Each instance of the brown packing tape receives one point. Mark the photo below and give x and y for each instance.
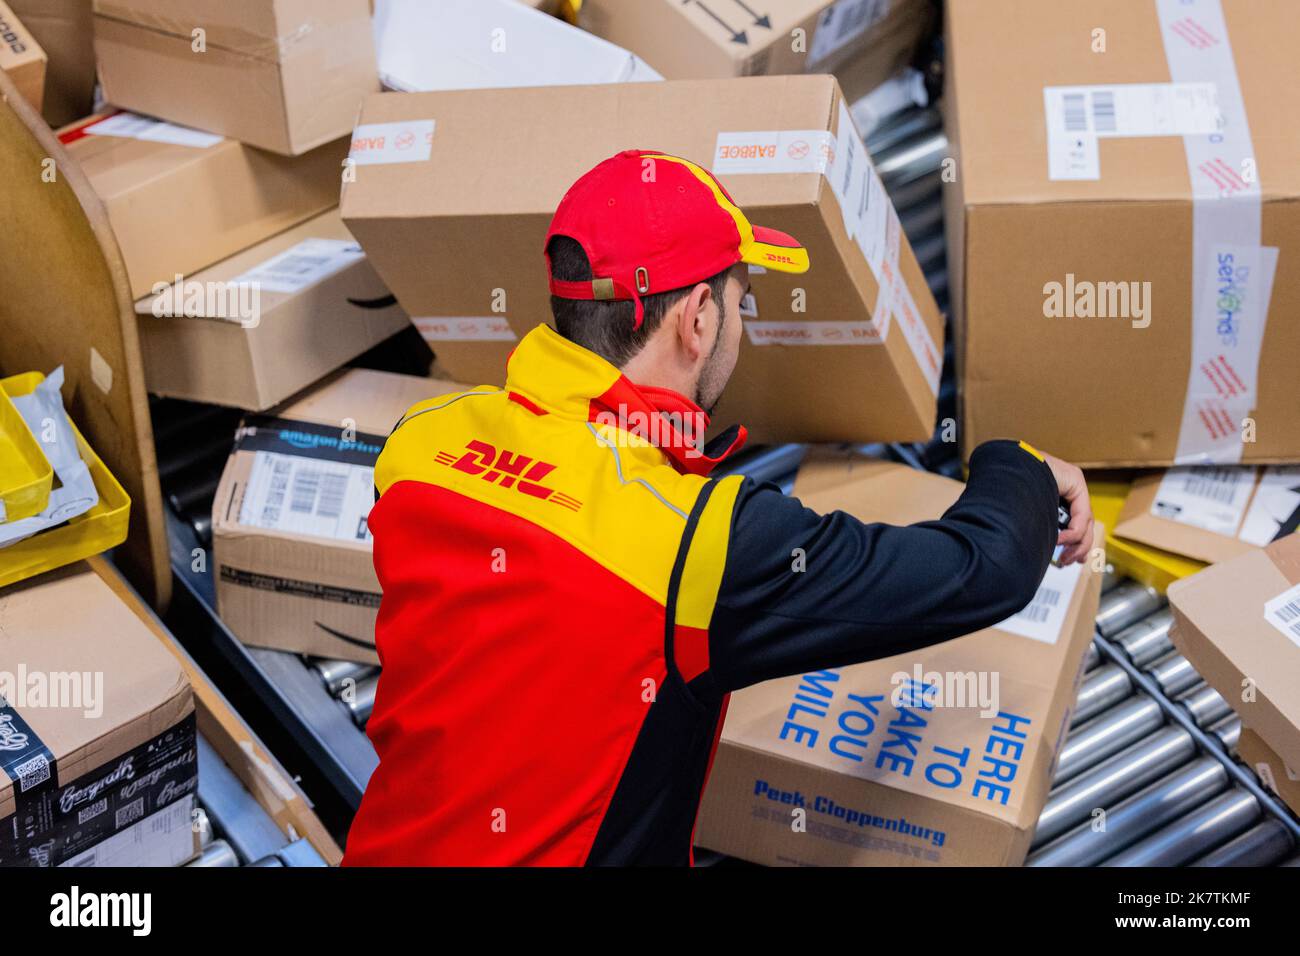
(268, 47)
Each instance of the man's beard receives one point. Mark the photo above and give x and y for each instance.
(709, 389)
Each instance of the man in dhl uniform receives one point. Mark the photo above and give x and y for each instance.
(569, 598)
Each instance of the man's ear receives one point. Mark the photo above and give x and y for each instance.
(693, 328)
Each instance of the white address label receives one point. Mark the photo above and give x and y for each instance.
(135, 126)
(303, 265)
(1044, 618)
(309, 496)
(1210, 498)
(1283, 612)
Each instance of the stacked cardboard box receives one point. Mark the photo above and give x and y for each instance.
(863, 42)
(455, 225)
(943, 756)
(265, 324)
(1122, 201)
(1238, 622)
(21, 57)
(1271, 769)
(63, 29)
(291, 545)
(284, 75)
(180, 200)
(97, 728)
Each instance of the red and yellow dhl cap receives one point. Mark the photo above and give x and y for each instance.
(651, 223)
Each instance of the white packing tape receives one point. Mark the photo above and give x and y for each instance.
(1232, 274)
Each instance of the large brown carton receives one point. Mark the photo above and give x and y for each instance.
(63, 29)
(21, 57)
(943, 756)
(291, 546)
(861, 41)
(455, 224)
(180, 200)
(285, 75)
(1238, 622)
(1212, 514)
(265, 324)
(1126, 199)
(96, 731)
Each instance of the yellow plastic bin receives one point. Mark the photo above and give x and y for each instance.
(102, 527)
(25, 474)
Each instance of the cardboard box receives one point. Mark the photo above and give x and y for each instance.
(1270, 768)
(285, 75)
(291, 548)
(63, 29)
(265, 324)
(1238, 622)
(1080, 232)
(885, 772)
(479, 44)
(21, 57)
(1153, 567)
(180, 200)
(456, 226)
(1212, 514)
(862, 42)
(98, 728)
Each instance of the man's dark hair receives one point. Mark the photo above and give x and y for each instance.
(605, 327)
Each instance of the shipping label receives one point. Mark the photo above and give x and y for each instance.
(303, 265)
(1214, 499)
(1283, 612)
(1044, 618)
(308, 496)
(134, 126)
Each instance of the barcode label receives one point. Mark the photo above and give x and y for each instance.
(308, 497)
(842, 23)
(1213, 499)
(1076, 113)
(1044, 617)
(129, 814)
(1283, 612)
(1103, 111)
(303, 265)
(1274, 508)
(1078, 117)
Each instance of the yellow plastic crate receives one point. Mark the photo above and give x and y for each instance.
(1151, 566)
(102, 527)
(25, 474)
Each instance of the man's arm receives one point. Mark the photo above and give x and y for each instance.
(872, 590)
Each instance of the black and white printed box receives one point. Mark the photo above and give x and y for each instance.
(263, 325)
(291, 546)
(98, 764)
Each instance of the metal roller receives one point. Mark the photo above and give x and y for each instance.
(268, 861)
(363, 700)
(911, 159)
(218, 854)
(1205, 705)
(1125, 604)
(922, 219)
(903, 126)
(1106, 734)
(1175, 674)
(1103, 688)
(1191, 836)
(336, 674)
(1228, 730)
(202, 824)
(1148, 639)
(1114, 779)
(1111, 579)
(926, 189)
(1091, 658)
(1137, 816)
(1266, 844)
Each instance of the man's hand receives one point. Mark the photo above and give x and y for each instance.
(1077, 538)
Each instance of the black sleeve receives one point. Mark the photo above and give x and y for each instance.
(869, 591)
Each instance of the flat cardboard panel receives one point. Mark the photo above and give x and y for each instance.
(66, 302)
(21, 56)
